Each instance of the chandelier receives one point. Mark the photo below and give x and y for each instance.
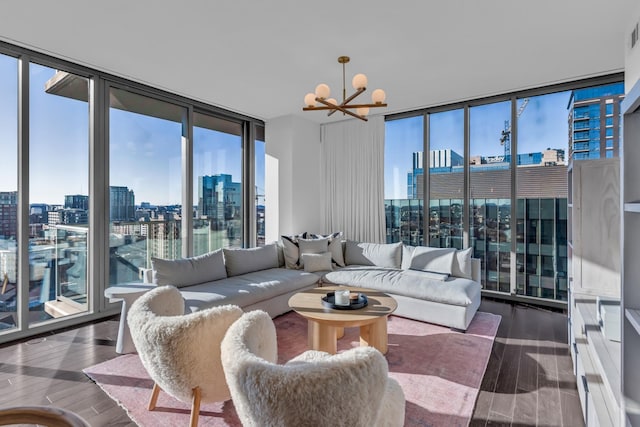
(320, 99)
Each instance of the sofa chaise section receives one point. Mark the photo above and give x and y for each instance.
(431, 297)
(249, 278)
(267, 290)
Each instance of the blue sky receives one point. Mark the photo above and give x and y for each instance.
(145, 152)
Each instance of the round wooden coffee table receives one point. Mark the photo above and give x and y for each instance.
(325, 325)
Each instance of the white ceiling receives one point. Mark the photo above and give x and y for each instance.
(261, 57)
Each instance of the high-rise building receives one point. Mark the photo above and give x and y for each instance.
(76, 201)
(38, 213)
(122, 204)
(219, 199)
(594, 122)
(8, 214)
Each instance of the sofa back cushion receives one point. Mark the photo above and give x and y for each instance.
(246, 260)
(434, 260)
(189, 271)
(462, 266)
(387, 255)
(407, 254)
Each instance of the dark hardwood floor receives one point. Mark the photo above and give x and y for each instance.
(529, 380)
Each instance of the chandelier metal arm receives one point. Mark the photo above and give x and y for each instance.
(341, 108)
(346, 101)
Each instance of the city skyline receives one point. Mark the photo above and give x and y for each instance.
(542, 124)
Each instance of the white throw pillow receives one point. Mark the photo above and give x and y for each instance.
(317, 262)
(462, 263)
(312, 246)
(189, 271)
(436, 260)
(335, 246)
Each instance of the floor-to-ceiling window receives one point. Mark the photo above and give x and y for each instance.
(8, 191)
(541, 212)
(497, 176)
(260, 176)
(217, 183)
(58, 195)
(446, 179)
(403, 180)
(98, 177)
(145, 183)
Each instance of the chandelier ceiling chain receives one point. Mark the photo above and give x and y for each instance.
(320, 99)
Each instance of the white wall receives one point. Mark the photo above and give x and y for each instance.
(293, 183)
(632, 56)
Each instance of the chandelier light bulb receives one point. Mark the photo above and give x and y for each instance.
(363, 111)
(332, 101)
(310, 99)
(359, 81)
(378, 96)
(322, 91)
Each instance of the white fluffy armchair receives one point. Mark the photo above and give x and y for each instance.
(314, 389)
(181, 352)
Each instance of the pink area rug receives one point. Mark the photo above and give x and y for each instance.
(440, 371)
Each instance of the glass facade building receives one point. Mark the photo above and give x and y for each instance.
(594, 122)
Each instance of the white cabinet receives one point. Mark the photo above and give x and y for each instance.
(630, 172)
(595, 217)
(595, 269)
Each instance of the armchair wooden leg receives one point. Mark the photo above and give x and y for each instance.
(195, 408)
(154, 396)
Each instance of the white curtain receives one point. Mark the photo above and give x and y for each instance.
(353, 171)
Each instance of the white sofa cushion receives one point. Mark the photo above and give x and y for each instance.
(387, 255)
(246, 260)
(247, 289)
(435, 260)
(409, 283)
(407, 253)
(189, 271)
(461, 266)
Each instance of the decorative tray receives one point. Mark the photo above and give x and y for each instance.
(329, 301)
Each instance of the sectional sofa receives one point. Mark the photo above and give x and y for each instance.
(440, 286)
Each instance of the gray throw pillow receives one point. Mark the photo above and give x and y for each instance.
(387, 255)
(189, 271)
(317, 262)
(291, 251)
(247, 260)
(313, 246)
(436, 260)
